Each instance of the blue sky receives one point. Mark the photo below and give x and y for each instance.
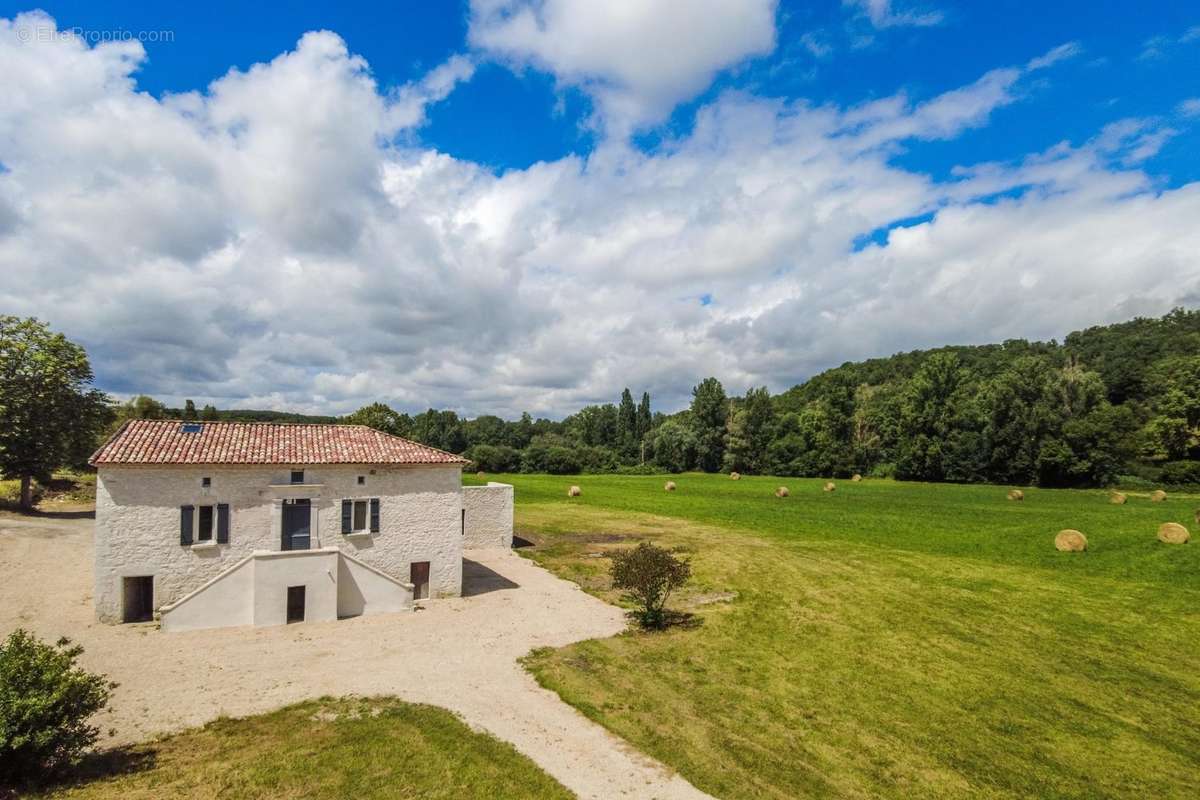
(508, 120)
(775, 187)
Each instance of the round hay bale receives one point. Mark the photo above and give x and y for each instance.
(1070, 541)
(1173, 533)
(1016, 494)
(479, 474)
(856, 477)
(1197, 515)
(1117, 499)
(782, 491)
(735, 476)
(670, 487)
(574, 491)
(828, 487)
(1157, 496)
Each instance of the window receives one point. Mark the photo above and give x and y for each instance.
(204, 525)
(138, 605)
(362, 480)
(191, 427)
(206, 482)
(360, 516)
(297, 476)
(198, 528)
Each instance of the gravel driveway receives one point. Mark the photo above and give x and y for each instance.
(458, 653)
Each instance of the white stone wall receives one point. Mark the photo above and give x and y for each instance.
(315, 570)
(137, 522)
(488, 515)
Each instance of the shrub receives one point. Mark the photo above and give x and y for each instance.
(552, 459)
(45, 702)
(595, 458)
(1180, 473)
(649, 574)
(640, 469)
(495, 458)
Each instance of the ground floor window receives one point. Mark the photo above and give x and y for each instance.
(138, 599)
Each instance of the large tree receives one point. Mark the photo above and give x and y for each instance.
(749, 434)
(709, 413)
(627, 439)
(50, 413)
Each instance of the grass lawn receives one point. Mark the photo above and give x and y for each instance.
(345, 748)
(889, 639)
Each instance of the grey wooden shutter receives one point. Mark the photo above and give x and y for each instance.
(347, 514)
(375, 515)
(185, 524)
(222, 523)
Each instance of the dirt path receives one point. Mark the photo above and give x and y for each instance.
(459, 654)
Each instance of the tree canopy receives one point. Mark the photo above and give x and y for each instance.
(51, 413)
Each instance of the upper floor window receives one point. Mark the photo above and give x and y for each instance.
(362, 480)
(206, 482)
(297, 476)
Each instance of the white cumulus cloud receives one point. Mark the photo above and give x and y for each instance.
(637, 59)
(281, 239)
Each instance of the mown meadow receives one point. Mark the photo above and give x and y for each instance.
(327, 748)
(888, 639)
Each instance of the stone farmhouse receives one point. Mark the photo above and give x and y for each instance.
(212, 524)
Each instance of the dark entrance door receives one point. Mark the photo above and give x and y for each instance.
(418, 574)
(138, 603)
(295, 608)
(296, 524)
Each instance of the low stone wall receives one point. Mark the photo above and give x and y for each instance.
(488, 515)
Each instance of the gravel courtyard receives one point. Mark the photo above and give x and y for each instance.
(458, 653)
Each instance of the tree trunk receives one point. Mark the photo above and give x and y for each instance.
(26, 493)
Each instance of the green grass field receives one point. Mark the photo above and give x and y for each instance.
(346, 748)
(889, 639)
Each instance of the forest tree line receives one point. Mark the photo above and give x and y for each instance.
(1110, 401)
(1117, 401)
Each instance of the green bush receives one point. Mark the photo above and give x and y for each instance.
(640, 469)
(495, 458)
(649, 573)
(45, 703)
(1180, 473)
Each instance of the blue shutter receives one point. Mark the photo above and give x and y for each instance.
(185, 525)
(375, 515)
(222, 523)
(347, 514)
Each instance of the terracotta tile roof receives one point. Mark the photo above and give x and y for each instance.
(156, 441)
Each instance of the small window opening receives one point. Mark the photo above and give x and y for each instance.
(138, 600)
(191, 427)
(362, 480)
(204, 527)
(297, 476)
(295, 604)
(206, 482)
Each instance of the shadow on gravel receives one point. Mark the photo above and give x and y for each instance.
(478, 579)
